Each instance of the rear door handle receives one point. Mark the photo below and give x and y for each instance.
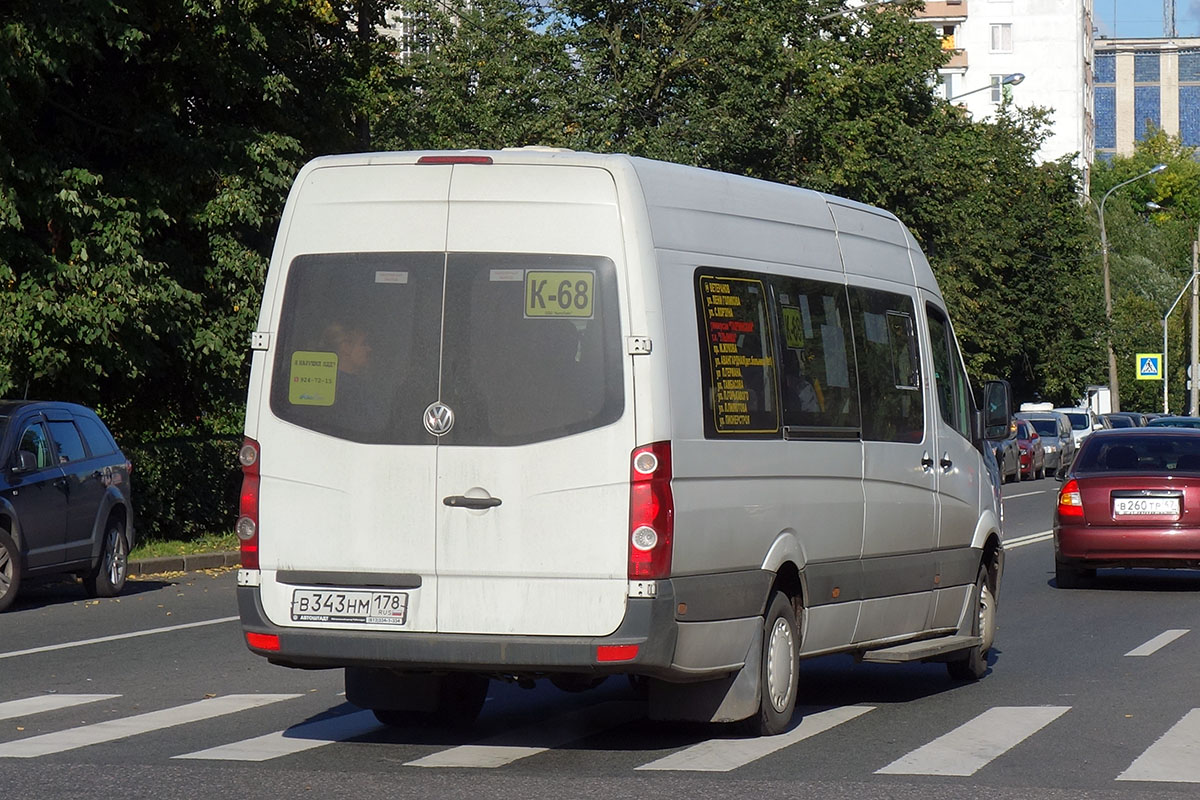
(946, 462)
(462, 501)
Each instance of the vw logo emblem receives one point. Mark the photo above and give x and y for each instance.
(439, 419)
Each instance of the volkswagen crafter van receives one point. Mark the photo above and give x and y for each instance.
(543, 414)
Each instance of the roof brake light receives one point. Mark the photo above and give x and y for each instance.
(454, 159)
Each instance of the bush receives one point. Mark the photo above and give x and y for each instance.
(185, 487)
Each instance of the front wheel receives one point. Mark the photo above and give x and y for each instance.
(107, 578)
(780, 675)
(973, 663)
(10, 570)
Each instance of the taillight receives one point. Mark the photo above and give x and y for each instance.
(247, 523)
(263, 641)
(1070, 504)
(651, 512)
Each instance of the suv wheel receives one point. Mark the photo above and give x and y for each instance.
(10, 570)
(107, 578)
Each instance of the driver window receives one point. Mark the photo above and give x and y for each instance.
(34, 440)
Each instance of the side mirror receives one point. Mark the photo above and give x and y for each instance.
(997, 410)
(24, 462)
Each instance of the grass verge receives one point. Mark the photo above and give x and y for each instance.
(208, 543)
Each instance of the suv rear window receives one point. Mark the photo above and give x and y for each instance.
(521, 347)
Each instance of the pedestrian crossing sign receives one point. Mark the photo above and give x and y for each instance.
(1149, 366)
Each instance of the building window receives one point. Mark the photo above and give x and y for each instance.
(1106, 68)
(1189, 67)
(1002, 38)
(1105, 105)
(947, 36)
(1189, 115)
(1146, 110)
(997, 88)
(1145, 67)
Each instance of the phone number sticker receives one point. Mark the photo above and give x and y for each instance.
(559, 294)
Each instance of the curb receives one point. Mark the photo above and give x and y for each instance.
(188, 563)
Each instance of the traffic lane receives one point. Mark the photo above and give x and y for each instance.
(53, 613)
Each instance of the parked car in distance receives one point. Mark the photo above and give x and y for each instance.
(64, 498)
(1008, 456)
(1124, 419)
(1032, 451)
(1083, 422)
(1131, 499)
(1054, 429)
(1174, 422)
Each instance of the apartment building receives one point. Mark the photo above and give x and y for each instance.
(1048, 41)
(1141, 81)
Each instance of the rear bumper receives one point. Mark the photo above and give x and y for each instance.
(1101, 546)
(649, 623)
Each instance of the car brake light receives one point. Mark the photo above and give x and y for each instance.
(247, 522)
(1070, 503)
(651, 512)
(454, 159)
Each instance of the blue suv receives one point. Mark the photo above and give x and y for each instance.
(64, 498)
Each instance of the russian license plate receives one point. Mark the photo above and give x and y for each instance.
(353, 607)
(1147, 506)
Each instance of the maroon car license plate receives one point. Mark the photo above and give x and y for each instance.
(1145, 506)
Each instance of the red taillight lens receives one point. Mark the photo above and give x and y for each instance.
(247, 523)
(263, 641)
(1070, 502)
(454, 159)
(651, 512)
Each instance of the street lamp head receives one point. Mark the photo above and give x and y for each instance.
(1157, 168)
(1013, 79)
(1153, 206)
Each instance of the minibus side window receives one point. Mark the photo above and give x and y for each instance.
(950, 380)
(817, 372)
(889, 365)
(737, 355)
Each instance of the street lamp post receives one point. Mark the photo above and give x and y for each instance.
(1007, 80)
(1112, 355)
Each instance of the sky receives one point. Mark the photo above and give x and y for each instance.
(1144, 18)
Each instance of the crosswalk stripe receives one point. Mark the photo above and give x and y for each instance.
(723, 755)
(1174, 758)
(539, 737)
(1158, 642)
(968, 748)
(111, 730)
(295, 739)
(49, 702)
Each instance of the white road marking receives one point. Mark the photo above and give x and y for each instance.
(1158, 642)
(1174, 758)
(114, 638)
(115, 729)
(723, 755)
(970, 747)
(48, 702)
(539, 737)
(1025, 494)
(296, 739)
(1033, 538)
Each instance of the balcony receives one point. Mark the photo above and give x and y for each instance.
(958, 60)
(943, 9)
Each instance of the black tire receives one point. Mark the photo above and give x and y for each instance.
(1068, 577)
(10, 570)
(780, 669)
(107, 577)
(974, 662)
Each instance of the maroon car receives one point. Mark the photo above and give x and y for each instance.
(1131, 499)
(1032, 451)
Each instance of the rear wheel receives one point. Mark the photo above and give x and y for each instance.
(460, 699)
(972, 665)
(780, 676)
(107, 578)
(10, 570)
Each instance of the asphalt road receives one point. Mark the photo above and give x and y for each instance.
(1091, 693)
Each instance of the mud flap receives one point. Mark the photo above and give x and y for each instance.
(727, 699)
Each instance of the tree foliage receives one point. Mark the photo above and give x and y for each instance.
(146, 148)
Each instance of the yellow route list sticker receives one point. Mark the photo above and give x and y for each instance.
(313, 378)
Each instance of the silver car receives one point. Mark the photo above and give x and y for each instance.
(1055, 429)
